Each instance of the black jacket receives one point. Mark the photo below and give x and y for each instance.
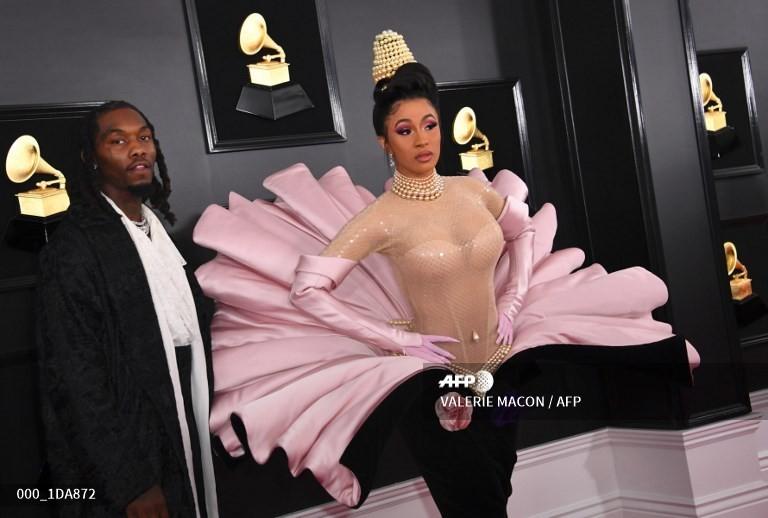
(107, 400)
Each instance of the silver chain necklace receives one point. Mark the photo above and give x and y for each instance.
(143, 225)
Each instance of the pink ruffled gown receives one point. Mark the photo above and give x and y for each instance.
(307, 387)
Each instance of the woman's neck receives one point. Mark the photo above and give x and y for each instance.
(419, 177)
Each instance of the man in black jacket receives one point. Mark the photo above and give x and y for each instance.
(124, 365)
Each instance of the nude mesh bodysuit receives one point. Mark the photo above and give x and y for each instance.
(444, 253)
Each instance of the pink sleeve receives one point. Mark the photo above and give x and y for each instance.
(316, 277)
(518, 231)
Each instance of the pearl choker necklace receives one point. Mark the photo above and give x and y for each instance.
(424, 189)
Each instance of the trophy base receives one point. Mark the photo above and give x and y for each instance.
(749, 309)
(714, 120)
(741, 288)
(478, 158)
(271, 73)
(273, 102)
(722, 141)
(30, 233)
(43, 202)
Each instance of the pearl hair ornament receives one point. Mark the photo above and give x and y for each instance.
(390, 52)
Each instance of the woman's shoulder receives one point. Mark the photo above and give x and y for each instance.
(368, 231)
(376, 214)
(468, 183)
(476, 188)
(377, 207)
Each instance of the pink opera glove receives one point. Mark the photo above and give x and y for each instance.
(431, 352)
(452, 415)
(518, 231)
(505, 331)
(316, 276)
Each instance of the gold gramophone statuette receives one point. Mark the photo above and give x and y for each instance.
(714, 116)
(741, 285)
(270, 94)
(464, 130)
(24, 160)
(254, 37)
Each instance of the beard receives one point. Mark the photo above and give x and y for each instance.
(144, 190)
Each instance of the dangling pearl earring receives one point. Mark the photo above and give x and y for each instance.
(391, 162)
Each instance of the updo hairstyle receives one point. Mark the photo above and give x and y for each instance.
(411, 81)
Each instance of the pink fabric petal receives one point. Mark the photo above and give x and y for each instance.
(365, 194)
(506, 183)
(338, 184)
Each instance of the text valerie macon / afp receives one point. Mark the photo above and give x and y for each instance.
(454, 400)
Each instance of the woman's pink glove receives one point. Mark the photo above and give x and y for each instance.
(518, 231)
(505, 331)
(429, 351)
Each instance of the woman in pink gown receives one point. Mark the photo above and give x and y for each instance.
(329, 299)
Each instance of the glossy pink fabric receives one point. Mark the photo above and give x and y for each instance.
(305, 388)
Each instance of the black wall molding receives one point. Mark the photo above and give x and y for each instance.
(569, 122)
(640, 144)
(708, 179)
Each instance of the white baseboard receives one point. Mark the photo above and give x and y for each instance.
(759, 400)
(715, 471)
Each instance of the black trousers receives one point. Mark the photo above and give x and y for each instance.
(468, 471)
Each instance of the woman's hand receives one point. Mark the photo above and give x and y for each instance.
(151, 504)
(452, 415)
(430, 352)
(505, 330)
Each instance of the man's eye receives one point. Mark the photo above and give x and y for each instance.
(145, 138)
(118, 141)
